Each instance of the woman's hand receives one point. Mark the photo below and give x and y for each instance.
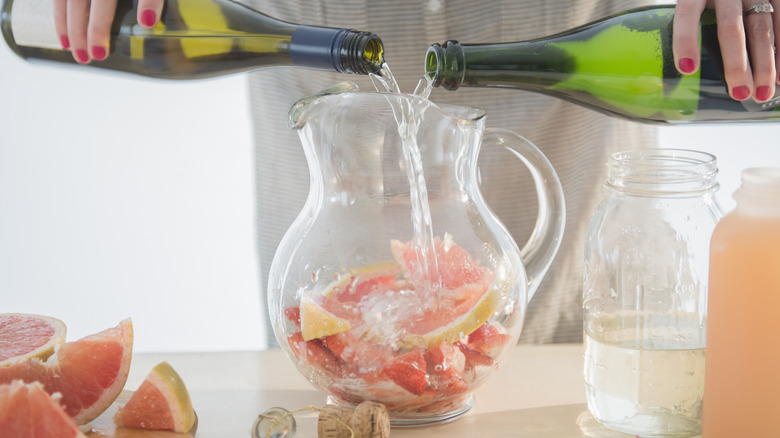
(84, 26)
(747, 34)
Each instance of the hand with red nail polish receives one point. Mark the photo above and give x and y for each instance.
(747, 41)
(84, 27)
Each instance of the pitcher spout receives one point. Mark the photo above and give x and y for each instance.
(297, 115)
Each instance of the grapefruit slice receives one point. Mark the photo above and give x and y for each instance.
(89, 373)
(317, 323)
(463, 303)
(28, 411)
(162, 402)
(24, 336)
(360, 282)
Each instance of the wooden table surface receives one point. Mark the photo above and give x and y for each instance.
(538, 392)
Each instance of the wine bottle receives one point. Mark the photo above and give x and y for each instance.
(621, 65)
(197, 39)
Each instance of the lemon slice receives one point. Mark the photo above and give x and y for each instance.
(317, 322)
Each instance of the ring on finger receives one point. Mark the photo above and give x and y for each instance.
(759, 8)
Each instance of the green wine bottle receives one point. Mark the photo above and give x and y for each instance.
(197, 39)
(621, 65)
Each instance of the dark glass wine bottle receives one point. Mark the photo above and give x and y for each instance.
(621, 65)
(197, 39)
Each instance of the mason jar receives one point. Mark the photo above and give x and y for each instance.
(645, 291)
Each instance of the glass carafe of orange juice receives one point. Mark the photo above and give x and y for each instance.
(742, 383)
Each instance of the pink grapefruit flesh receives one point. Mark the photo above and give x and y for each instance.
(88, 373)
(162, 402)
(28, 411)
(24, 336)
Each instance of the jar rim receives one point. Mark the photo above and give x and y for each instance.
(663, 171)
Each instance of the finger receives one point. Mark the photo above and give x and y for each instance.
(61, 22)
(685, 35)
(733, 48)
(78, 20)
(149, 12)
(776, 20)
(760, 36)
(101, 16)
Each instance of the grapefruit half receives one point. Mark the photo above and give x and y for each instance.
(28, 411)
(24, 336)
(89, 373)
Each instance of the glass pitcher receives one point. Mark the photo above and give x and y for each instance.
(396, 283)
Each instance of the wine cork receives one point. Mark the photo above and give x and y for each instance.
(371, 420)
(334, 422)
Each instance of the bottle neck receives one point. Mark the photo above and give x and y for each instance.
(531, 65)
(759, 194)
(663, 172)
(340, 50)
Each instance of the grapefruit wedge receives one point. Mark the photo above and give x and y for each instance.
(463, 302)
(88, 373)
(162, 402)
(28, 411)
(24, 337)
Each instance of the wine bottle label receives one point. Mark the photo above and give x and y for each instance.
(32, 24)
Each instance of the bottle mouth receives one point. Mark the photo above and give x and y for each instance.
(445, 64)
(434, 64)
(361, 53)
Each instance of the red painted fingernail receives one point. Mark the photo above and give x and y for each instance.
(687, 65)
(65, 42)
(81, 56)
(148, 17)
(762, 93)
(741, 93)
(98, 53)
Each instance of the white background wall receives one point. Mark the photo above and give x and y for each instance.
(122, 196)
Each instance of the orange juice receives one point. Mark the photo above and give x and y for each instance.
(742, 371)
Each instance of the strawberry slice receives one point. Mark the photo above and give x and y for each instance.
(488, 340)
(446, 364)
(408, 371)
(473, 357)
(294, 315)
(318, 355)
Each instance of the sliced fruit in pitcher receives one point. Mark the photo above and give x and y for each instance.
(317, 323)
(464, 301)
(381, 332)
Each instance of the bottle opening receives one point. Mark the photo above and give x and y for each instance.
(361, 53)
(445, 64)
(432, 60)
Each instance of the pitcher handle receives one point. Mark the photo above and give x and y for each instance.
(540, 249)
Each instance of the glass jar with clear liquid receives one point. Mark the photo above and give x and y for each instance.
(645, 292)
